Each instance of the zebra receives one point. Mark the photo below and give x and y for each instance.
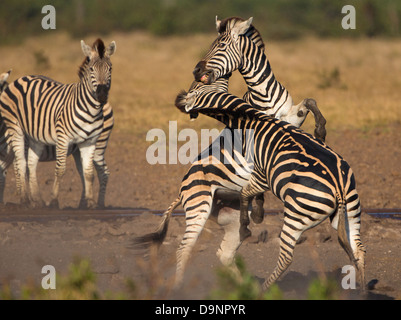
(209, 189)
(313, 181)
(205, 188)
(5, 158)
(67, 118)
(49, 153)
(239, 46)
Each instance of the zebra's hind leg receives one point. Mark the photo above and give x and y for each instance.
(247, 193)
(7, 159)
(34, 151)
(258, 213)
(352, 221)
(195, 220)
(17, 142)
(290, 233)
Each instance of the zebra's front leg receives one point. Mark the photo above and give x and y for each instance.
(103, 174)
(228, 218)
(61, 159)
(78, 164)
(87, 151)
(34, 151)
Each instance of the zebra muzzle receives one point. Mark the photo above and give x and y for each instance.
(102, 93)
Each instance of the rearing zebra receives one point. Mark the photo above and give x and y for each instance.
(240, 46)
(49, 113)
(312, 181)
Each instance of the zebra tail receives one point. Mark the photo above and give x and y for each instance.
(159, 235)
(342, 228)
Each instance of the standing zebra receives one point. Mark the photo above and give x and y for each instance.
(45, 113)
(310, 179)
(5, 157)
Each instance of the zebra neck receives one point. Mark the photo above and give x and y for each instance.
(264, 91)
(86, 99)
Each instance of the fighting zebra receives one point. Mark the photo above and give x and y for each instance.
(209, 179)
(73, 118)
(209, 189)
(312, 180)
(239, 46)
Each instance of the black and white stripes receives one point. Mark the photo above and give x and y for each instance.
(49, 113)
(311, 180)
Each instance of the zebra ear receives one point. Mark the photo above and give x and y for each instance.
(218, 22)
(241, 27)
(111, 48)
(4, 76)
(87, 50)
(190, 101)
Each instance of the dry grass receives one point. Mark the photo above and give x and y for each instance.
(356, 82)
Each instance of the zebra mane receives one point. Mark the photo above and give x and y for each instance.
(99, 47)
(222, 106)
(252, 33)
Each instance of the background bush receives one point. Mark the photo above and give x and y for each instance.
(276, 19)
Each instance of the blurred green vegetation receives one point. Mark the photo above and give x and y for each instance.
(275, 19)
(80, 283)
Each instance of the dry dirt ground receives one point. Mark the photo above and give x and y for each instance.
(31, 239)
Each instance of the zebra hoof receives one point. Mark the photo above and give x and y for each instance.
(37, 204)
(244, 233)
(257, 214)
(87, 204)
(54, 204)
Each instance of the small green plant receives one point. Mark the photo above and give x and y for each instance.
(323, 289)
(242, 286)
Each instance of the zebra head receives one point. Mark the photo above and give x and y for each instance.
(224, 55)
(96, 69)
(3, 80)
(186, 101)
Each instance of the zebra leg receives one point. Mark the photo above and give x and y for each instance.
(7, 159)
(34, 151)
(61, 160)
(195, 220)
(87, 151)
(78, 164)
(353, 226)
(103, 174)
(17, 142)
(228, 218)
(290, 233)
(258, 213)
(247, 193)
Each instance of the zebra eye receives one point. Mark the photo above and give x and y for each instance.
(222, 45)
